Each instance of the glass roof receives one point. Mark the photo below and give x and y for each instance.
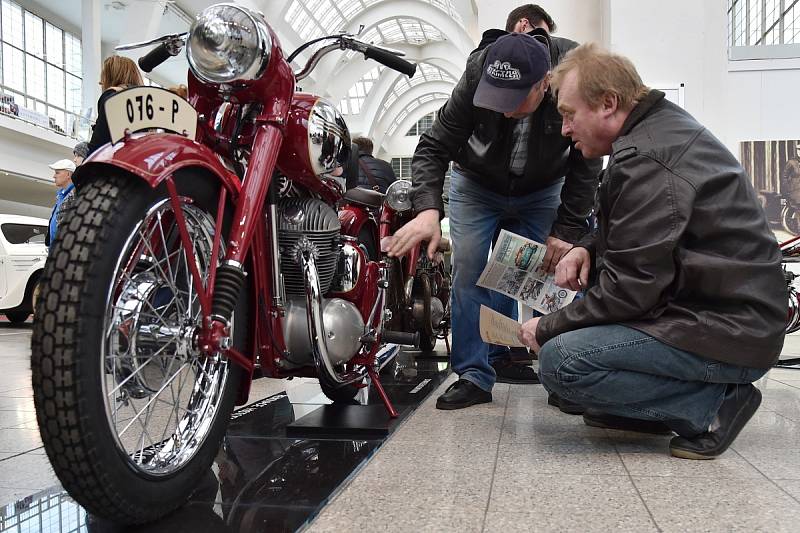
(425, 73)
(315, 18)
(352, 103)
(411, 106)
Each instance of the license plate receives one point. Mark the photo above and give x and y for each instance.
(144, 108)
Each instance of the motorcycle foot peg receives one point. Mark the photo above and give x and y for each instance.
(401, 337)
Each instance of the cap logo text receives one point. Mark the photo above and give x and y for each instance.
(503, 71)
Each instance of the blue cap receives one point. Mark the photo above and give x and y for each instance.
(514, 64)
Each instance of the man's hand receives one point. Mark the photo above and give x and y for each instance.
(424, 227)
(556, 248)
(572, 272)
(527, 334)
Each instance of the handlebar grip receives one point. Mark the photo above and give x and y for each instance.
(154, 57)
(391, 60)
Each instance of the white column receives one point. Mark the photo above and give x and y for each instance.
(91, 54)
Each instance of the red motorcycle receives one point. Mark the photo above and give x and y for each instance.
(192, 258)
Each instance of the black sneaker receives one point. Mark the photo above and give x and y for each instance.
(598, 419)
(522, 355)
(462, 394)
(512, 372)
(739, 405)
(565, 406)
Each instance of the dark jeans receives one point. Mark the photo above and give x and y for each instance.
(475, 213)
(622, 371)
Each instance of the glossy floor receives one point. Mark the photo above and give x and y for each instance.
(513, 465)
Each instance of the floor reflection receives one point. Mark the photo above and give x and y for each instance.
(260, 480)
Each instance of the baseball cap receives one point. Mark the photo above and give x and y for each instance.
(63, 164)
(514, 64)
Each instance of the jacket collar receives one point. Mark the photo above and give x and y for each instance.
(62, 193)
(641, 110)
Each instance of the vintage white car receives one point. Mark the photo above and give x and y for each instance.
(22, 257)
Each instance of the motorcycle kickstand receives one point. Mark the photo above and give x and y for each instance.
(376, 380)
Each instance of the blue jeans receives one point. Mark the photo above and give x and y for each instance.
(622, 371)
(475, 213)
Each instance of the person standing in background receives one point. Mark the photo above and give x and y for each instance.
(373, 173)
(118, 73)
(79, 153)
(65, 195)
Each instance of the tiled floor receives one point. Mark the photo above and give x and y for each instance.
(518, 464)
(513, 465)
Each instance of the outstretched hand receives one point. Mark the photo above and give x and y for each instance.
(423, 227)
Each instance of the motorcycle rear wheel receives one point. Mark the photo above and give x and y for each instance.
(130, 413)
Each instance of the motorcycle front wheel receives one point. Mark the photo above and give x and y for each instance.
(130, 412)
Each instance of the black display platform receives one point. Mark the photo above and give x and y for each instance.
(352, 421)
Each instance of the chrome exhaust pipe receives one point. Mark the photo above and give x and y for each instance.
(305, 255)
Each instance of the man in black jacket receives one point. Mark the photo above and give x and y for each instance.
(373, 173)
(688, 302)
(512, 166)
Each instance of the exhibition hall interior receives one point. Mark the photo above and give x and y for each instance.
(279, 265)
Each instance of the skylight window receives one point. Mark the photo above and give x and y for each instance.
(425, 73)
(354, 101)
(413, 105)
(315, 18)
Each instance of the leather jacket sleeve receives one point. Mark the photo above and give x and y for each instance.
(647, 208)
(577, 196)
(452, 129)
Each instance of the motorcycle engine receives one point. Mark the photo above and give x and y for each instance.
(316, 220)
(344, 326)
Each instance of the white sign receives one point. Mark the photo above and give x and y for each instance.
(144, 108)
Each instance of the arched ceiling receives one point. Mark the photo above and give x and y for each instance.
(377, 101)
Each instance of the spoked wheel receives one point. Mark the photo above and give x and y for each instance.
(130, 411)
(790, 219)
(427, 333)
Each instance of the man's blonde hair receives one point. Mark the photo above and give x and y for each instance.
(601, 73)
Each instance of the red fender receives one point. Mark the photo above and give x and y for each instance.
(353, 218)
(155, 156)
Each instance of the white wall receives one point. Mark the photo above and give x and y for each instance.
(687, 42)
(579, 20)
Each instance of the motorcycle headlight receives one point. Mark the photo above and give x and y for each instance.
(398, 195)
(228, 43)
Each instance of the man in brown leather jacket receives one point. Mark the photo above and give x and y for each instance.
(688, 303)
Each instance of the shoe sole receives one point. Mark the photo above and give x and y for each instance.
(454, 406)
(518, 381)
(597, 424)
(688, 454)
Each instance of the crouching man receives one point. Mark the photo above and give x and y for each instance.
(687, 305)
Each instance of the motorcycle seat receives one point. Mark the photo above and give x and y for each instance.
(362, 196)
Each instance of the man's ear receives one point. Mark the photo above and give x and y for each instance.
(610, 104)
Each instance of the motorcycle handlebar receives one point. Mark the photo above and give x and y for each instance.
(390, 60)
(154, 57)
